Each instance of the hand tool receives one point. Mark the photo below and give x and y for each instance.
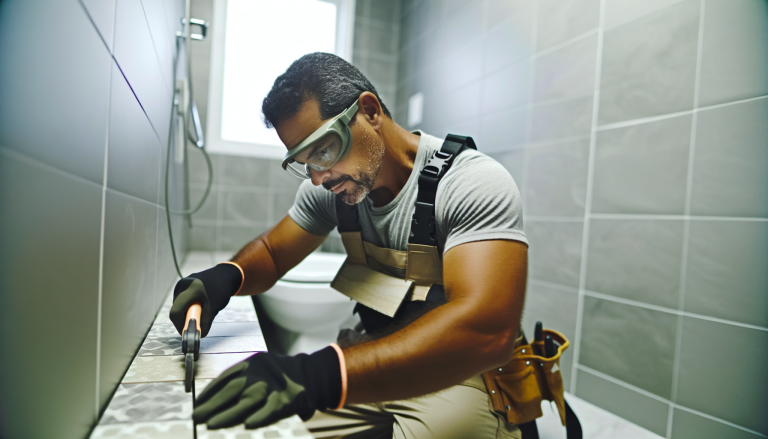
(190, 345)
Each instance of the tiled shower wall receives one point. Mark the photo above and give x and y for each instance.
(250, 195)
(638, 133)
(86, 91)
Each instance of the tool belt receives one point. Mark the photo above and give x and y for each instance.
(385, 281)
(518, 387)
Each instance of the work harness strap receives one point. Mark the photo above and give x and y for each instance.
(424, 223)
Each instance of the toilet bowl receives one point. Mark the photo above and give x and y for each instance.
(304, 304)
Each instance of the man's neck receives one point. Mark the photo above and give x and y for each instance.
(400, 151)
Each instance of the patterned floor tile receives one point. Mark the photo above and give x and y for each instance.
(209, 345)
(145, 430)
(287, 428)
(238, 329)
(151, 369)
(148, 402)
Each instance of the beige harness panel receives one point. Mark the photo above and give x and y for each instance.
(382, 278)
(375, 290)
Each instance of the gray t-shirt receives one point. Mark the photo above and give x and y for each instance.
(477, 200)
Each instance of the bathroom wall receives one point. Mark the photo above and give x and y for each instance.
(250, 195)
(637, 132)
(86, 91)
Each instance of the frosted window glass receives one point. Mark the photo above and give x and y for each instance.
(263, 37)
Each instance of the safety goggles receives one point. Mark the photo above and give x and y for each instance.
(323, 148)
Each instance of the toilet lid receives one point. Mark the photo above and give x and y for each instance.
(318, 267)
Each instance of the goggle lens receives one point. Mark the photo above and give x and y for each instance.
(319, 156)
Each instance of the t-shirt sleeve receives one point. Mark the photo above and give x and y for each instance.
(314, 209)
(477, 201)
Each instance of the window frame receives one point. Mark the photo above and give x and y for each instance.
(345, 26)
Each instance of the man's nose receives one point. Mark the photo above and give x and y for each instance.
(318, 177)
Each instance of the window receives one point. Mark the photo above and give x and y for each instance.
(254, 41)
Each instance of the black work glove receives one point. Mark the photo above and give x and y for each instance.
(212, 288)
(266, 388)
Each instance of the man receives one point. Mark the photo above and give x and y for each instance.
(416, 375)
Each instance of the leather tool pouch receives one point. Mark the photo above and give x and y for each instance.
(517, 388)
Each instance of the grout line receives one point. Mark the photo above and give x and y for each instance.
(588, 201)
(722, 421)
(555, 219)
(553, 285)
(687, 223)
(630, 216)
(566, 43)
(522, 187)
(671, 310)
(723, 321)
(101, 246)
(642, 120)
(13, 154)
(672, 405)
(621, 383)
(631, 302)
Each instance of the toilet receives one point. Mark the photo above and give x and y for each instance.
(306, 308)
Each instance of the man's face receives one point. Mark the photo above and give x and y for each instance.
(354, 176)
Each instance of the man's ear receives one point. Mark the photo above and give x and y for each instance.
(370, 108)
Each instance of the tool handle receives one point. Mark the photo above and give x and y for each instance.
(193, 312)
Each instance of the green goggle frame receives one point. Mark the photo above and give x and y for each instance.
(337, 126)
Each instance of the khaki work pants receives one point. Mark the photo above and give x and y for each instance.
(459, 412)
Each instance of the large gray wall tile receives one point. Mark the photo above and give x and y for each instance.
(164, 38)
(635, 407)
(54, 86)
(686, 425)
(557, 179)
(642, 168)
(244, 171)
(498, 11)
(568, 72)
(556, 309)
(730, 162)
(636, 259)
(618, 12)
(244, 208)
(509, 42)
(560, 21)
(649, 65)
(449, 75)
(502, 130)
(128, 291)
(514, 163)
(102, 12)
(50, 224)
(202, 237)
(461, 23)
(507, 88)
(134, 150)
(233, 238)
(166, 271)
(727, 272)
(209, 211)
(734, 60)
(135, 53)
(555, 251)
(571, 118)
(714, 381)
(633, 344)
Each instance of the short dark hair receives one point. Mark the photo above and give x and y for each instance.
(332, 81)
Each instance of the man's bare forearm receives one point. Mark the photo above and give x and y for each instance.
(268, 257)
(472, 333)
(440, 349)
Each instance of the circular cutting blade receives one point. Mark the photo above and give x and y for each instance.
(189, 371)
